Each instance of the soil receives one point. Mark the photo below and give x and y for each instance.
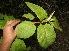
(18, 7)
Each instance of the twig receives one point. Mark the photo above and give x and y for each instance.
(36, 22)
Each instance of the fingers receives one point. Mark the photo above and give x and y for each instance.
(9, 22)
(15, 22)
(12, 23)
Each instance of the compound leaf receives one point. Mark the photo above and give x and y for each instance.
(18, 45)
(25, 29)
(45, 35)
(39, 11)
(2, 23)
(55, 23)
(29, 15)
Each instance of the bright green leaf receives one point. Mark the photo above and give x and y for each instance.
(45, 35)
(25, 29)
(55, 23)
(29, 15)
(1, 16)
(39, 11)
(8, 18)
(18, 45)
(2, 23)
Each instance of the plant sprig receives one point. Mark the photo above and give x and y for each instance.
(45, 33)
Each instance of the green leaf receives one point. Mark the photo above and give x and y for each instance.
(8, 18)
(0, 40)
(25, 29)
(39, 11)
(28, 48)
(45, 35)
(2, 23)
(18, 45)
(55, 23)
(29, 15)
(1, 16)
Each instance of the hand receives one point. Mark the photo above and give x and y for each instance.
(9, 34)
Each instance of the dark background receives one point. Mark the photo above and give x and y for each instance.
(18, 7)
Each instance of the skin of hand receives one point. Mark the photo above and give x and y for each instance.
(9, 34)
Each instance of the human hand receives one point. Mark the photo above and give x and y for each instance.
(9, 33)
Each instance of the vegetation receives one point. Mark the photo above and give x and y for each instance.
(45, 28)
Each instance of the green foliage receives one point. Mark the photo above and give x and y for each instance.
(0, 40)
(55, 23)
(28, 48)
(39, 11)
(48, 18)
(2, 23)
(18, 45)
(46, 35)
(1, 16)
(29, 15)
(6, 18)
(25, 29)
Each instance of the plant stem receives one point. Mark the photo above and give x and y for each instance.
(36, 22)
